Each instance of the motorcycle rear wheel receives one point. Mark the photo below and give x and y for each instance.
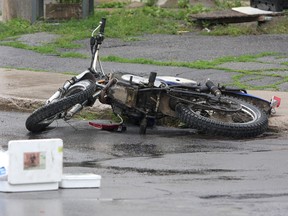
(249, 121)
(45, 115)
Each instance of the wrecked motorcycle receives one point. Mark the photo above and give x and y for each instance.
(207, 107)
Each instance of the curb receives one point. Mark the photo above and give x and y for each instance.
(19, 104)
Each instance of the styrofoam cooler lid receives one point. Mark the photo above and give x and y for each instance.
(80, 181)
(87, 176)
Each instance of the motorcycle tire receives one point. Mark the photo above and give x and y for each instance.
(248, 122)
(45, 115)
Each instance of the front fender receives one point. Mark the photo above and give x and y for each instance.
(81, 86)
(85, 75)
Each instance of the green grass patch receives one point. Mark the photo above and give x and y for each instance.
(45, 49)
(278, 25)
(112, 5)
(232, 30)
(238, 81)
(89, 114)
(199, 64)
(227, 4)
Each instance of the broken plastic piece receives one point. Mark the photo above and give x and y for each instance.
(275, 101)
(109, 127)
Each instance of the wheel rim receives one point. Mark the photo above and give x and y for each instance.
(244, 116)
(59, 115)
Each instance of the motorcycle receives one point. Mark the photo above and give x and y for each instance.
(207, 107)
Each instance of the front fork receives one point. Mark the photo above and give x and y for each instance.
(78, 107)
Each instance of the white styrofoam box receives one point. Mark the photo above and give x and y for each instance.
(35, 161)
(4, 162)
(7, 187)
(34, 165)
(80, 181)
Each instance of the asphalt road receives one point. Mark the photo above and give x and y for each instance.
(181, 48)
(166, 172)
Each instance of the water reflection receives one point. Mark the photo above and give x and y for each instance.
(48, 203)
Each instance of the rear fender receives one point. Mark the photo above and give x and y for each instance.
(259, 102)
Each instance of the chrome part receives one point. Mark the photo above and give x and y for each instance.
(83, 84)
(55, 96)
(73, 111)
(92, 35)
(139, 80)
(94, 65)
(176, 80)
(121, 119)
(81, 75)
(96, 94)
(101, 68)
(61, 91)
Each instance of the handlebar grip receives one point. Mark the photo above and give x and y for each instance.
(102, 27)
(214, 89)
(152, 79)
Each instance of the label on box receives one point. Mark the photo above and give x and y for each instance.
(2, 171)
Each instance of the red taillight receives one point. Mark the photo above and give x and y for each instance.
(276, 101)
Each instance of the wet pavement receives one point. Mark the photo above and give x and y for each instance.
(168, 171)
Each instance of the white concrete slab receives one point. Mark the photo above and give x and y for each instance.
(252, 11)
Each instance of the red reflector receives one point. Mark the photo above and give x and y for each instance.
(275, 98)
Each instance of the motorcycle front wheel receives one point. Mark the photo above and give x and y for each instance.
(45, 115)
(247, 121)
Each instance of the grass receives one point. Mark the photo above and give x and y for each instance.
(200, 64)
(225, 4)
(91, 115)
(128, 24)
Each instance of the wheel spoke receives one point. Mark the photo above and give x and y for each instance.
(248, 121)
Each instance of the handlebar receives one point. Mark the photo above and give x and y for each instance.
(101, 25)
(213, 88)
(95, 42)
